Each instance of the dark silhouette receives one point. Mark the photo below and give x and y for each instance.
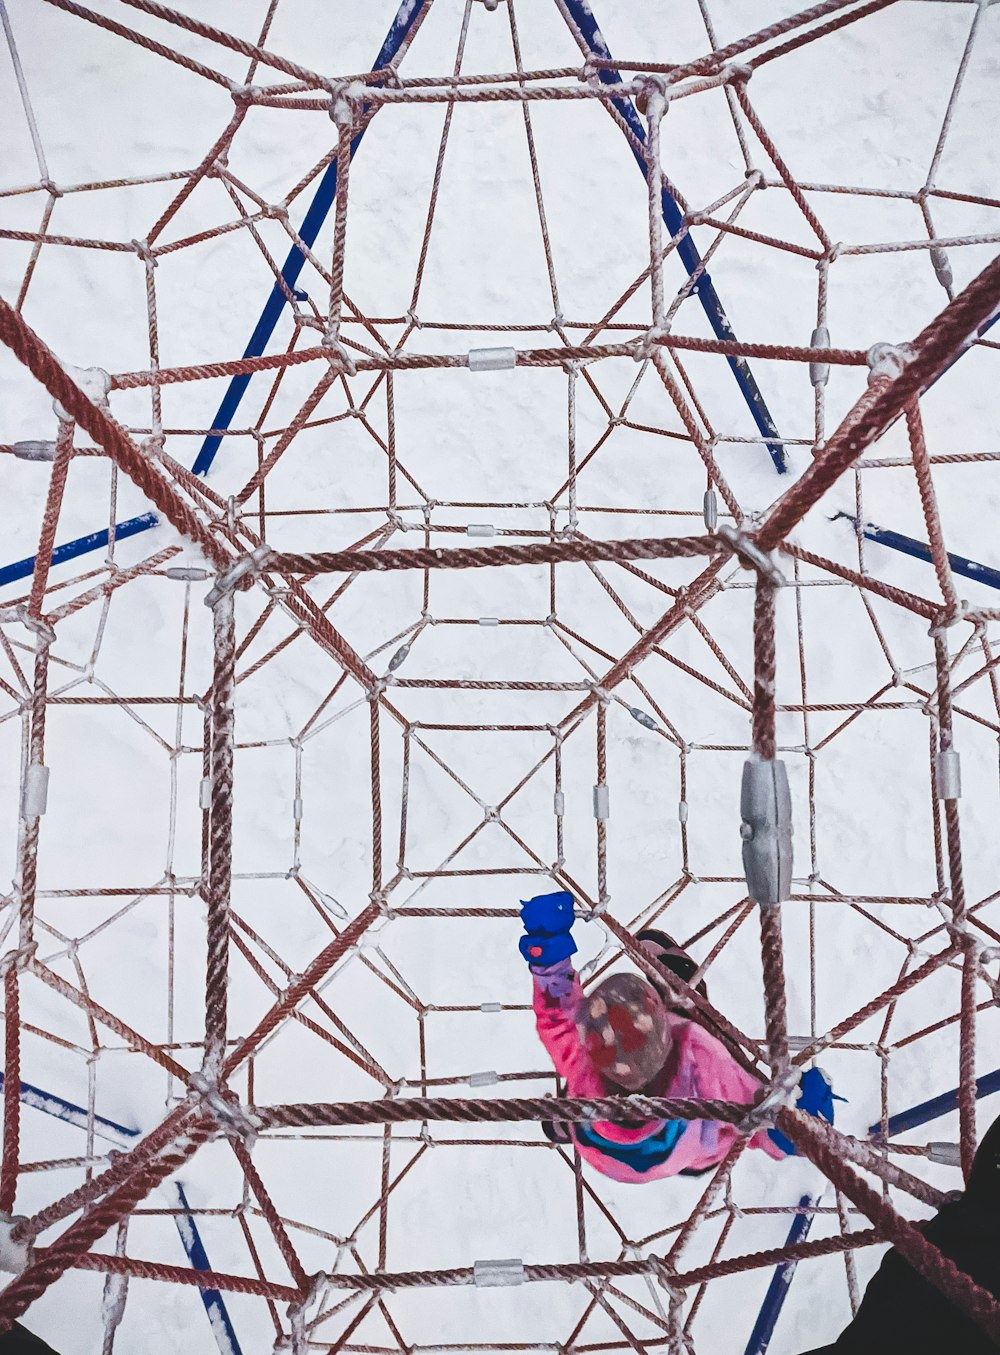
(902, 1312)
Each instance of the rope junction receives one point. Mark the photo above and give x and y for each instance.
(345, 372)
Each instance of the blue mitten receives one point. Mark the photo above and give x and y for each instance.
(816, 1097)
(547, 920)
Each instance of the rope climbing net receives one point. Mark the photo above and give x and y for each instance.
(262, 927)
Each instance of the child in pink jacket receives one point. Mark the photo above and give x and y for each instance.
(621, 1037)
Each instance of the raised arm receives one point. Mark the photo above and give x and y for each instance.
(547, 946)
(557, 992)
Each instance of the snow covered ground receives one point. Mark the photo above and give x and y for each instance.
(416, 461)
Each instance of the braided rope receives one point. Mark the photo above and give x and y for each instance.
(228, 531)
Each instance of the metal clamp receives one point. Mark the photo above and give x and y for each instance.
(232, 1119)
(643, 717)
(399, 657)
(35, 795)
(487, 1078)
(947, 1154)
(948, 774)
(187, 573)
(766, 830)
(750, 554)
(34, 449)
(491, 359)
(489, 1274)
(942, 268)
(819, 372)
(247, 564)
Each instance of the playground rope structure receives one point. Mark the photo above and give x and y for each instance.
(225, 545)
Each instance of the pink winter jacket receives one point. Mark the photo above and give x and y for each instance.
(702, 1067)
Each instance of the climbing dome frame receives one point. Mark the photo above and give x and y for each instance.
(499, 600)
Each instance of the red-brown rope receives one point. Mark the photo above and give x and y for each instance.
(11, 1093)
(569, 1110)
(931, 353)
(53, 1261)
(29, 349)
(819, 1143)
(534, 553)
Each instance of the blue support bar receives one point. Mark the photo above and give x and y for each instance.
(935, 1108)
(920, 550)
(23, 569)
(399, 31)
(777, 1290)
(214, 1304)
(407, 16)
(583, 17)
(74, 1115)
(187, 1228)
(401, 27)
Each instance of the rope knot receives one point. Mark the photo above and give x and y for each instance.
(664, 1273)
(945, 619)
(144, 252)
(777, 1097)
(378, 898)
(888, 360)
(603, 696)
(343, 103)
(645, 347)
(296, 1342)
(337, 355)
(232, 1119)
(737, 73)
(38, 627)
(749, 553)
(17, 960)
(652, 93)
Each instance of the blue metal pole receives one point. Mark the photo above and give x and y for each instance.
(215, 1306)
(187, 1228)
(397, 35)
(920, 550)
(583, 17)
(402, 25)
(50, 1104)
(777, 1290)
(936, 1107)
(23, 569)
(407, 17)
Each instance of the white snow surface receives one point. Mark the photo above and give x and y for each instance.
(862, 107)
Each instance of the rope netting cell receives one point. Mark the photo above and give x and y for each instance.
(519, 532)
